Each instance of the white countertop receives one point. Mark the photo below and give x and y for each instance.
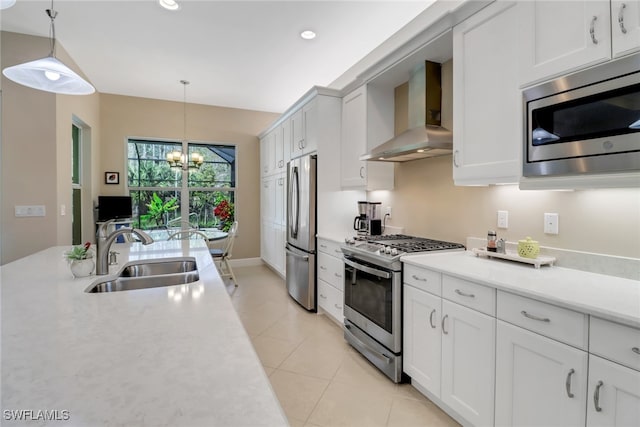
(608, 297)
(129, 358)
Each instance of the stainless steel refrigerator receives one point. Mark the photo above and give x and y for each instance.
(301, 231)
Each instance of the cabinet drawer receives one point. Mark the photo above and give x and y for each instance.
(615, 342)
(331, 270)
(426, 280)
(549, 320)
(469, 294)
(330, 300)
(329, 247)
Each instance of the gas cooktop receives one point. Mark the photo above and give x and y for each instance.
(386, 250)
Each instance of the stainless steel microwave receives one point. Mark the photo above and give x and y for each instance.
(584, 123)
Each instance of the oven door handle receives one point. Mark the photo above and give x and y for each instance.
(375, 272)
(364, 348)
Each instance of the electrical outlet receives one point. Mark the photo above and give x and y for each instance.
(503, 219)
(551, 223)
(388, 212)
(63, 210)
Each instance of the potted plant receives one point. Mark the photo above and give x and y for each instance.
(80, 259)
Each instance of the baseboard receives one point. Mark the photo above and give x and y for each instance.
(245, 262)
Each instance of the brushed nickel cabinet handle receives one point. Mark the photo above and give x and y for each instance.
(596, 397)
(462, 294)
(592, 29)
(323, 246)
(433, 326)
(455, 159)
(444, 331)
(621, 18)
(362, 172)
(338, 275)
(532, 317)
(636, 350)
(337, 306)
(323, 296)
(567, 383)
(422, 279)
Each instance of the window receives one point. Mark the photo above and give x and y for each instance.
(165, 197)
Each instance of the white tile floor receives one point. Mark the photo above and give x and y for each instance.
(318, 378)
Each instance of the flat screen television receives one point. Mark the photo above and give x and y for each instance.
(114, 207)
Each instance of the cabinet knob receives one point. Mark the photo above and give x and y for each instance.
(592, 29)
(621, 18)
(596, 397)
(567, 383)
(444, 331)
(455, 159)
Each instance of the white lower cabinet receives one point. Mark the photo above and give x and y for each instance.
(330, 274)
(422, 342)
(449, 349)
(614, 398)
(539, 381)
(468, 362)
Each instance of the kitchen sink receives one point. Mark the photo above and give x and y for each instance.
(142, 282)
(159, 267)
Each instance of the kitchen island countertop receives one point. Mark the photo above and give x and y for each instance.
(608, 297)
(166, 356)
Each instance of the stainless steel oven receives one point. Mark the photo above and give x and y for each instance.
(587, 122)
(373, 295)
(373, 313)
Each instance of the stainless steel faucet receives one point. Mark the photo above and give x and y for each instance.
(104, 242)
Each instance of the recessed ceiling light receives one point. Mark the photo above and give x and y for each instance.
(169, 4)
(6, 4)
(308, 35)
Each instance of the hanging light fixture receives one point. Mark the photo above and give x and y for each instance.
(49, 74)
(178, 159)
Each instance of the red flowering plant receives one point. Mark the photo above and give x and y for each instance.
(224, 213)
(79, 252)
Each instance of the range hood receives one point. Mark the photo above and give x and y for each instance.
(425, 137)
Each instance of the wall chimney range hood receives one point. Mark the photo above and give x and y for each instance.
(425, 136)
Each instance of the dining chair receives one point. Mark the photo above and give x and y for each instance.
(222, 255)
(187, 234)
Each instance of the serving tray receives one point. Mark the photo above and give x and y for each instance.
(512, 256)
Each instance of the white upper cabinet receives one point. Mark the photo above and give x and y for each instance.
(487, 104)
(268, 153)
(625, 27)
(559, 37)
(304, 130)
(355, 173)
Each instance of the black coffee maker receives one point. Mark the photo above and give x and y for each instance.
(368, 222)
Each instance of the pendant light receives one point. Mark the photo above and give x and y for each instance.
(49, 74)
(177, 159)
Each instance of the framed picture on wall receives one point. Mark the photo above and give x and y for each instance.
(112, 177)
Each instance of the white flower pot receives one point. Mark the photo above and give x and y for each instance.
(82, 267)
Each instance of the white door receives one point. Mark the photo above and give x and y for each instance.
(539, 381)
(310, 117)
(614, 394)
(421, 338)
(487, 141)
(354, 138)
(625, 26)
(297, 134)
(558, 37)
(468, 362)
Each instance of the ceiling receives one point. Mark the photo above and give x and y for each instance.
(241, 54)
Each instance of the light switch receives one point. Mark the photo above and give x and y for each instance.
(63, 210)
(551, 223)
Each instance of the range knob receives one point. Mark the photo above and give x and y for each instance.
(387, 250)
(394, 251)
